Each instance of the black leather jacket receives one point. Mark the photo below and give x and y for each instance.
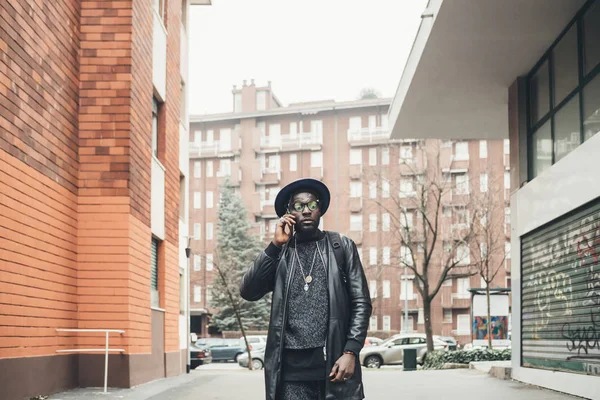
(349, 312)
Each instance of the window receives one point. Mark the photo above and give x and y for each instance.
(507, 180)
(210, 136)
(386, 256)
(209, 262)
(209, 169)
(462, 216)
(209, 199)
(463, 325)
(197, 137)
(385, 156)
(237, 102)
(407, 326)
(447, 211)
(293, 129)
(483, 149)
(567, 134)
(372, 190)
(462, 184)
(197, 294)
(197, 200)
(591, 105)
(541, 149)
(385, 222)
(373, 156)
(225, 139)
(316, 159)
(507, 250)
(591, 36)
(406, 154)
(386, 290)
(209, 294)
(373, 289)
(356, 223)
(463, 254)
(385, 189)
(355, 156)
(372, 256)
(506, 147)
(372, 122)
(405, 256)
(406, 220)
(483, 283)
(406, 187)
(355, 124)
(274, 164)
(462, 286)
(197, 169)
(209, 231)
(293, 162)
(373, 323)
(225, 168)
(539, 94)
(565, 74)
(507, 216)
(483, 220)
(355, 189)
(154, 294)
(461, 151)
(197, 262)
(155, 126)
(406, 289)
(387, 322)
(448, 316)
(372, 222)
(483, 183)
(483, 251)
(197, 234)
(261, 100)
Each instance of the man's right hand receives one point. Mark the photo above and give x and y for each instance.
(283, 232)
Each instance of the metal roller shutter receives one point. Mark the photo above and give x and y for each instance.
(154, 265)
(560, 293)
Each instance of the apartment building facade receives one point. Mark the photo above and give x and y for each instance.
(262, 146)
(93, 163)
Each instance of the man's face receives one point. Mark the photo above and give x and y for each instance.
(307, 221)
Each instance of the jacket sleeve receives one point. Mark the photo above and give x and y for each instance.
(260, 278)
(360, 300)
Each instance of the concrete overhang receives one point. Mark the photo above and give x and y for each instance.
(465, 56)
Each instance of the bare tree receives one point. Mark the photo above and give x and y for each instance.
(435, 247)
(489, 241)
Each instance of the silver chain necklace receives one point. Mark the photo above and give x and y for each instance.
(307, 278)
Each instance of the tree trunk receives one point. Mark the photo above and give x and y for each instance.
(237, 315)
(489, 318)
(428, 327)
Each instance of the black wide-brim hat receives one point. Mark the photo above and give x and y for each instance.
(302, 185)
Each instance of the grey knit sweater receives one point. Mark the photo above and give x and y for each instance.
(308, 311)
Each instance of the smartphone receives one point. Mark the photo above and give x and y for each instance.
(291, 227)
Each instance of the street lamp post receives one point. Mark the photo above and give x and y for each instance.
(188, 253)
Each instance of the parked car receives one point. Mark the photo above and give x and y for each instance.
(258, 358)
(199, 355)
(391, 351)
(372, 341)
(452, 343)
(222, 349)
(254, 340)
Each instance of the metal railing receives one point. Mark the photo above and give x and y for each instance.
(368, 134)
(106, 349)
(299, 140)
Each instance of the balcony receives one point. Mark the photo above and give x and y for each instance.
(280, 143)
(413, 300)
(356, 171)
(461, 300)
(356, 236)
(157, 196)
(159, 56)
(234, 176)
(217, 148)
(267, 175)
(355, 204)
(368, 136)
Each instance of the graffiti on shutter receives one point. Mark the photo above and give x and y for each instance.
(560, 293)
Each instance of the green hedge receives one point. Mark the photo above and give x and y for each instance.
(437, 359)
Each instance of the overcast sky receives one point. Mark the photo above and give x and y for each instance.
(309, 50)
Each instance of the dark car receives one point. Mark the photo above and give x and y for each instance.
(222, 349)
(199, 355)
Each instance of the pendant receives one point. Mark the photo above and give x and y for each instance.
(306, 287)
(308, 279)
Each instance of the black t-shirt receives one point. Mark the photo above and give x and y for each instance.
(303, 364)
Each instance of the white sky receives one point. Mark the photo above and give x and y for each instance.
(309, 50)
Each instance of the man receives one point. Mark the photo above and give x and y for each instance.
(321, 307)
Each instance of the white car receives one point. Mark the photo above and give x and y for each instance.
(258, 358)
(392, 350)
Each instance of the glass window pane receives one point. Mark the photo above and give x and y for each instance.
(539, 93)
(565, 74)
(591, 36)
(567, 135)
(591, 108)
(541, 151)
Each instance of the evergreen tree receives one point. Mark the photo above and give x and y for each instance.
(236, 250)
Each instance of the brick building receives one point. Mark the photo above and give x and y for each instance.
(262, 146)
(92, 168)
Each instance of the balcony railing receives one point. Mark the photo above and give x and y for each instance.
(307, 140)
(368, 136)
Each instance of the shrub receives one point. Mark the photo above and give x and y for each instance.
(437, 359)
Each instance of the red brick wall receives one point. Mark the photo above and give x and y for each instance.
(39, 82)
